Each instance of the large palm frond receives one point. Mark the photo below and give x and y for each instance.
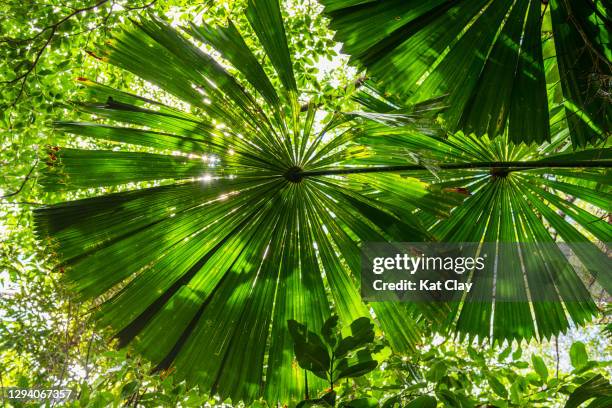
(203, 271)
(527, 194)
(495, 59)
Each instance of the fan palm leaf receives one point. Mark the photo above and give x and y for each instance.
(528, 194)
(201, 270)
(493, 59)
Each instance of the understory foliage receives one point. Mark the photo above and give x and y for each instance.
(205, 190)
(333, 357)
(447, 375)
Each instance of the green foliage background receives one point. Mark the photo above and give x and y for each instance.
(49, 339)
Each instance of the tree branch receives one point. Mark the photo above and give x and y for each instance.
(53, 29)
(25, 180)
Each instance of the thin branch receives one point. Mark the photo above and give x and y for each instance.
(544, 11)
(24, 77)
(499, 167)
(25, 180)
(87, 357)
(557, 357)
(53, 29)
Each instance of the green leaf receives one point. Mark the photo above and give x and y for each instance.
(437, 371)
(329, 330)
(330, 398)
(362, 333)
(129, 389)
(78, 169)
(310, 351)
(354, 367)
(230, 43)
(578, 354)
(497, 387)
(366, 402)
(503, 355)
(424, 401)
(327, 400)
(449, 398)
(540, 367)
(587, 117)
(516, 355)
(475, 355)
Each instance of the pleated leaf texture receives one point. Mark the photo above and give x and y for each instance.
(532, 205)
(202, 272)
(506, 65)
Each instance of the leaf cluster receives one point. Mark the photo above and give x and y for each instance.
(331, 356)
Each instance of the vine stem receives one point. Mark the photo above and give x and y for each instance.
(494, 166)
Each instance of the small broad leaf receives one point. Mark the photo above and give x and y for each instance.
(297, 330)
(356, 370)
(517, 353)
(329, 330)
(437, 371)
(330, 398)
(310, 351)
(424, 401)
(497, 387)
(449, 398)
(534, 378)
(327, 400)
(129, 389)
(361, 327)
(362, 333)
(588, 366)
(504, 354)
(540, 367)
(312, 358)
(475, 355)
(391, 402)
(578, 355)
